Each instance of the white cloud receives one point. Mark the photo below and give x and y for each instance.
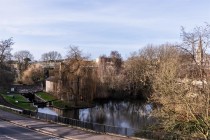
(117, 24)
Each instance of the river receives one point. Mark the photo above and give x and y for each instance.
(115, 113)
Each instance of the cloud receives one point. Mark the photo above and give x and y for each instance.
(97, 25)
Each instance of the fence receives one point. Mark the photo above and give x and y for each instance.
(101, 127)
(12, 109)
(87, 125)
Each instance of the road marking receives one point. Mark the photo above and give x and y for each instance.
(6, 138)
(49, 129)
(54, 139)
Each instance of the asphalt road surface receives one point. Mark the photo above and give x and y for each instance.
(9, 131)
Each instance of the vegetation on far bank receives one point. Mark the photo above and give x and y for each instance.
(59, 103)
(19, 101)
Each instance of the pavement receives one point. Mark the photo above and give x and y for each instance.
(9, 131)
(58, 130)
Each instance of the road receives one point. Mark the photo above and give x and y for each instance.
(61, 131)
(9, 131)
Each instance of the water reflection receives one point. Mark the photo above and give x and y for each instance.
(123, 114)
(47, 110)
(67, 113)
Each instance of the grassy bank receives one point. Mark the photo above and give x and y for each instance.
(19, 101)
(61, 104)
(56, 103)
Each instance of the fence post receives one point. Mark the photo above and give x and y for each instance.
(92, 126)
(104, 129)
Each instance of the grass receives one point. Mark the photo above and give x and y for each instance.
(58, 103)
(46, 96)
(19, 101)
(62, 104)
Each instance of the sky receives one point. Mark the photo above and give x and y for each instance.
(97, 27)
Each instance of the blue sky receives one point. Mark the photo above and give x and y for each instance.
(97, 26)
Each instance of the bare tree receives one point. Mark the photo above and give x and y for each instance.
(139, 70)
(6, 73)
(23, 57)
(196, 43)
(181, 85)
(20, 56)
(74, 53)
(34, 74)
(76, 77)
(117, 60)
(109, 72)
(51, 56)
(5, 50)
(167, 90)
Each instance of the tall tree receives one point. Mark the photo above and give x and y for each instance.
(181, 85)
(76, 77)
(117, 60)
(6, 73)
(5, 50)
(109, 70)
(23, 58)
(195, 44)
(139, 70)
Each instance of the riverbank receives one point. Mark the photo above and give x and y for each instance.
(56, 103)
(18, 101)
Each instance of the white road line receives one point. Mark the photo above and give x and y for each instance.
(49, 129)
(9, 137)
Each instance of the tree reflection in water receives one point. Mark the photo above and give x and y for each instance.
(122, 114)
(115, 113)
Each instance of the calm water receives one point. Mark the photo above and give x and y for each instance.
(123, 114)
(47, 110)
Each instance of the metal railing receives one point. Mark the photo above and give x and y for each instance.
(101, 128)
(12, 109)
